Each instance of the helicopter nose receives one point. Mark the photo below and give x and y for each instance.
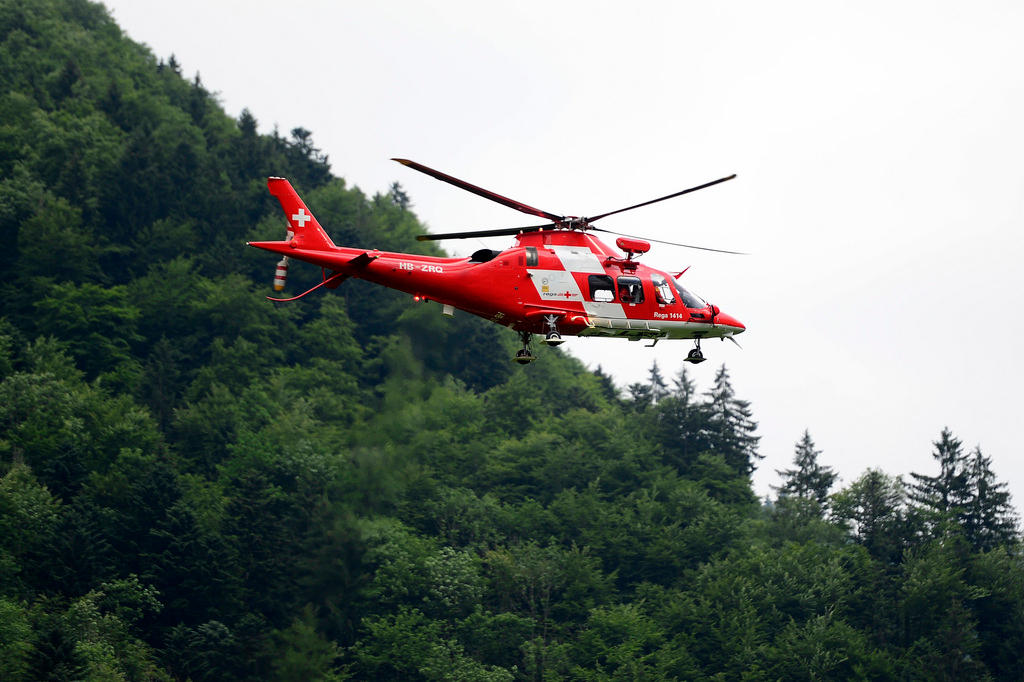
(730, 321)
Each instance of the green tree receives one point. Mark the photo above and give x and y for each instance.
(264, 524)
(300, 653)
(62, 427)
(95, 637)
(399, 196)
(618, 642)
(808, 479)
(680, 425)
(940, 629)
(98, 325)
(209, 651)
(53, 244)
(130, 499)
(989, 520)
(826, 648)
(15, 640)
(410, 644)
(640, 395)
(998, 575)
(943, 498)
(194, 568)
(659, 389)
(731, 428)
(29, 517)
(874, 509)
(550, 586)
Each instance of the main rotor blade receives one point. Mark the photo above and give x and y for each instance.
(670, 196)
(661, 241)
(480, 191)
(482, 233)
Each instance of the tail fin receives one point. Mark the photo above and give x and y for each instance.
(308, 232)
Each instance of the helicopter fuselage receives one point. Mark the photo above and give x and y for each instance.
(567, 278)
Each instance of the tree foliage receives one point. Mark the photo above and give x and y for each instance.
(196, 484)
(808, 479)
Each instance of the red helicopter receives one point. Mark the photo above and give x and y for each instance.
(557, 280)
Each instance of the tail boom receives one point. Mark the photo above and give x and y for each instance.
(337, 258)
(429, 276)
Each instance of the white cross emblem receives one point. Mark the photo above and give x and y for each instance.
(301, 218)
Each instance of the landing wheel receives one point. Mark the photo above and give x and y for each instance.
(695, 356)
(523, 355)
(553, 338)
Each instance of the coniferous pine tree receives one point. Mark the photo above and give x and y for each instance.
(679, 424)
(808, 479)
(607, 384)
(988, 520)
(659, 389)
(731, 429)
(686, 389)
(943, 497)
(640, 396)
(399, 197)
(873, 508)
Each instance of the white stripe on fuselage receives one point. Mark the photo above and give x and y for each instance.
(578, 259)
(559, 285)
(556, 286)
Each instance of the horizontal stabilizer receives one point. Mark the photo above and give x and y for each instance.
(362, 260)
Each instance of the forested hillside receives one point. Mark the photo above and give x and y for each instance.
(196, 483)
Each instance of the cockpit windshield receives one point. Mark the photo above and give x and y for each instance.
(690, 299)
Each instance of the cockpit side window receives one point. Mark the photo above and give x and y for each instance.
(631, 290)
(662, 290)
(602, 289)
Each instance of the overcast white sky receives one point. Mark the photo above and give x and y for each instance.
(879, 149)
